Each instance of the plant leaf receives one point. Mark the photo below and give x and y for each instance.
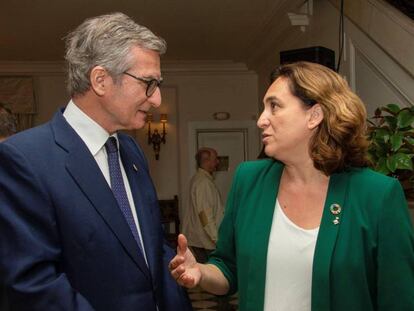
(396, 141)
(382, 135)
(392, 163)
(400, 161)
(391, 121)
(405, 118)
(410, 140)
(382, 167)
(393, 108)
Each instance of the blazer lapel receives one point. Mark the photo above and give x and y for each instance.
(328, 231)
(83, 168)
(262, 219)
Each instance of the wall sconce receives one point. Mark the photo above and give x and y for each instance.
(155, 138)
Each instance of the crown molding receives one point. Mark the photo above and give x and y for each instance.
(168, 67)
(204, 67)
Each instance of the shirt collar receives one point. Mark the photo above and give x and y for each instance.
(92, 134)
(203, 171)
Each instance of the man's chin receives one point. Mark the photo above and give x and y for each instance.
(137, 127)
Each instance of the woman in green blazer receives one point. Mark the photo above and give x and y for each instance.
(312, 228)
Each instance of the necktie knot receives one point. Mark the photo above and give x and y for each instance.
(111, 146)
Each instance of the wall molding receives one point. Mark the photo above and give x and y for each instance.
(381, 63)
(398, 91)
(394, 14)
(168, 67)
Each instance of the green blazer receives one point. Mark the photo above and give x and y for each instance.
(365, 262)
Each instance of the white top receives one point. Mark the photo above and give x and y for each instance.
(95, 137)
(204, 212)
(289, 265)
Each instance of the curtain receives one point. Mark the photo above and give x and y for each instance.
(17, 93)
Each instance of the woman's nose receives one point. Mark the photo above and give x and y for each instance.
(262, 121)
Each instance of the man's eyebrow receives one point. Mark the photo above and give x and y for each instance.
(150, 77)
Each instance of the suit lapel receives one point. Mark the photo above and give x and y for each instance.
(140, 183)
(328, 232)
(83, 168)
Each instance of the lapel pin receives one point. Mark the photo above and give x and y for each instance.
(335, 209)
(336, 220)
(135, 167)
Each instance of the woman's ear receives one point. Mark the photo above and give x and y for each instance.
(316, 116)
(98, 79)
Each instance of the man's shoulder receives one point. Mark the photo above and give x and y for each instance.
(31, 137)
(200, 177)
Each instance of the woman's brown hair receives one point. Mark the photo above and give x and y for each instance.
(340, 140)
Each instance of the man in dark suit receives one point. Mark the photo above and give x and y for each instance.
(79, 217)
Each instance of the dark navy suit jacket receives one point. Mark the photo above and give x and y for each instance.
(64, 243)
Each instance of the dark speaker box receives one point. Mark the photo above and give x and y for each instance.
(314, 54)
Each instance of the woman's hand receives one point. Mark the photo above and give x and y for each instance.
(184, 267)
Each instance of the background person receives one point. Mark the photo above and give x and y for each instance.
(79, 219)
(205, 209)
(313, 228)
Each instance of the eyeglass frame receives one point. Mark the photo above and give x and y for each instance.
(148, 82)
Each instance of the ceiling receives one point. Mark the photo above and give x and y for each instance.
(32, 30)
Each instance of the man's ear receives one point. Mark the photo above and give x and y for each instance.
(99, 79)
(316, 116)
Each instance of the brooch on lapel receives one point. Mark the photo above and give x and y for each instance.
(135, 167)
(335, 210)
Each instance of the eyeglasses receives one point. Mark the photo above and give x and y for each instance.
(152, 84)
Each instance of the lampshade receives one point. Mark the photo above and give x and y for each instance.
(163, 118)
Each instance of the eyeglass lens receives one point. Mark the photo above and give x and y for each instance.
(151, 87)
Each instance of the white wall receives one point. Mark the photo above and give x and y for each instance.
(200, 93)
(50, 95)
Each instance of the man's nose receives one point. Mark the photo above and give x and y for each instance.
(155, 99)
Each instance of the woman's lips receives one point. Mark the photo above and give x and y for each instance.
(264, 137)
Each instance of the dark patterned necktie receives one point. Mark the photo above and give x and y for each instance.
(118, 187)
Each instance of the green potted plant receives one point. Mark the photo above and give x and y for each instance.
(391, 133)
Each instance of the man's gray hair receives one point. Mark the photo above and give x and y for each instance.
(105, 41)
